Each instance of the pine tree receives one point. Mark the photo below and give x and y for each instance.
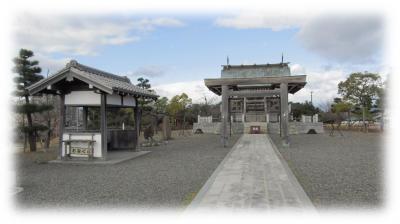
(28, 73)
(144, 84)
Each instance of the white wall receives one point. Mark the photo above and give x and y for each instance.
(82, 98)
(97, 144)
(115, 99)
(91, 98)
(129, 101)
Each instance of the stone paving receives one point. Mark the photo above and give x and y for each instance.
(252, 175)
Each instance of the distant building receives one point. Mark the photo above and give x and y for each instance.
(255, 98)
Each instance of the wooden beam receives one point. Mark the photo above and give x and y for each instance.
(85, 116)
(224, 115)
(254, 93)
(256, 80)
(284, 114)
(103, 125)
(244, 108)
(255, 100)
(266, 110)
(137, 120)
(229, 116)
(61, 125)
(291, 88)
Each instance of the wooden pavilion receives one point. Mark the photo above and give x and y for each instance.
(87, 95)
(255, 94)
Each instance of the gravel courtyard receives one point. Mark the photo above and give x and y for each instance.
(169, 176)
(338, 172)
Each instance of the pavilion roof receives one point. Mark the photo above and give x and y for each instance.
(295, 83)
(102, 80)
(268, 65)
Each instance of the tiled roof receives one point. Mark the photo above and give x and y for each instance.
(103, 80)
(283, 64)
(255, 70)
(88, 69)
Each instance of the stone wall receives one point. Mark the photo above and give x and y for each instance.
(206, 127)
(215, 127)
(240, 128)
(297, 127)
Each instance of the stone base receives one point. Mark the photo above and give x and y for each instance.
(285, 143)
(263, 127)
(273, 128)
(215, 127)
(297, 128)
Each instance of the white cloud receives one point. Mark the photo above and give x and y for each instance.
(49, 64)
(341, 38)
(80, 35)
(196, 90)
(150, 71)
(349, 39)
(297, 69)
(257, 20)
(151, 24)
(322, 84)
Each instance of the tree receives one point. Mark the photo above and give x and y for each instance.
(177, 106)
(361, 89)
(380, 101)
(340, 106)
(160, 106)
(325, 106)
(144, 84)
(306, 108)
(28, 73)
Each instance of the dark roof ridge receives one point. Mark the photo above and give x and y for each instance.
(258, 65)
(75, 64)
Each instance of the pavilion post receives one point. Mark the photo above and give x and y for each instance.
(137, 120)
(61, 125)
(284, 121)
(225, 114)
(230, 117)
(85, 114)
(266, 110)
(103, 125)
(244, 108)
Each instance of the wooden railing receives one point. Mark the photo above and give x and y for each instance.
(256, 118)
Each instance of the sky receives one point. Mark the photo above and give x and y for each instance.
(177, 52)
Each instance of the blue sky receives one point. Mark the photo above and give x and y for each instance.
(177, 52)
(196, 49)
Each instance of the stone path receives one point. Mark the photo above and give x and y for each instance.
(252, 175)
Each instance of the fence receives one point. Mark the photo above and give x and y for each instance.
(201, 119)
(309, 119)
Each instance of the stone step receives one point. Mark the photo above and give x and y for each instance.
(263, 126)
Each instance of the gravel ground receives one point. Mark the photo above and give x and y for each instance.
(341, 172)
(167, 177)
